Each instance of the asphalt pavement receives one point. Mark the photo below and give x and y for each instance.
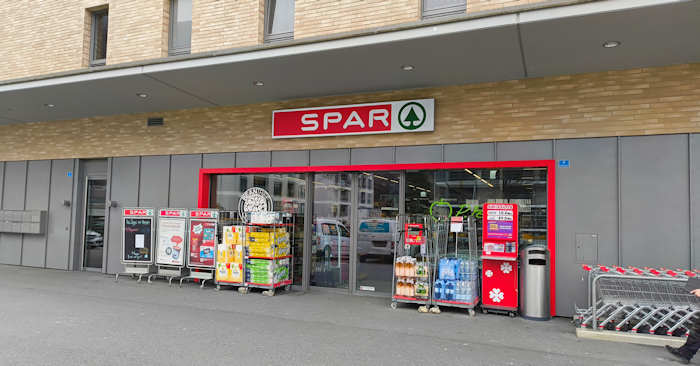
(50, 317)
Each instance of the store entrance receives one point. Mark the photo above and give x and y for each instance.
(94, 223)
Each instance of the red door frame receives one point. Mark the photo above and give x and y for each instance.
(203, 198)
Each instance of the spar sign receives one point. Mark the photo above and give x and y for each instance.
(357, 119)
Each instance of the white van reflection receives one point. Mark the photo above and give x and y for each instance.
(331, 239)
(375, 239)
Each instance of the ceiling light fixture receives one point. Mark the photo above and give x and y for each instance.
(407, 67)
(142, 95)
(49, 105)
(611, 44)
(258, 83)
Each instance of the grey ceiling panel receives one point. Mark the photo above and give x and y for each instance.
(469, 152)
(468, 57)
(650, 36)
(96, 97)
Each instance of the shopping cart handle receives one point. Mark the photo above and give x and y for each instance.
(638, 271)
(586, 267)
(689, 274)
(672, 273)
(654, 272)
(604, 269)
(621, 270)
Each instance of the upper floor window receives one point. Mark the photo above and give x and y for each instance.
(98, 43)
(180, 27)
(438, 8)
(279, 20)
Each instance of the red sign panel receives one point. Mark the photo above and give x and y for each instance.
(172, 213)
(371, 118)
(204, 214)
(137, 212)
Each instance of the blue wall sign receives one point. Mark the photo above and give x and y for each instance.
(564, 163)
(69, 174)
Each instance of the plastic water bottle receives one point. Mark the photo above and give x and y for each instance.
(438, 289)
(450, 290)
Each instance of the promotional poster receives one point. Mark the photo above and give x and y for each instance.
(202, 243)
(171, 241)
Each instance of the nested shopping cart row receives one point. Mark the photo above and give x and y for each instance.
(639, 300)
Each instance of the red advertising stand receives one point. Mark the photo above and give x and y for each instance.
(499, 258)
(202, 238)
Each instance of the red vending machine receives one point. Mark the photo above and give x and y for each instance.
(499, 276)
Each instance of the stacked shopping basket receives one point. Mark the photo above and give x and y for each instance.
(639, 300)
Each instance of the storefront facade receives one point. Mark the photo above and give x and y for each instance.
(602, 161)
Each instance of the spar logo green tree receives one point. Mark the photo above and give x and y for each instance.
(412, 116)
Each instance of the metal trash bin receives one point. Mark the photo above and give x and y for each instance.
(534, 283)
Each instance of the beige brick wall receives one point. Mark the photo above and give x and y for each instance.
(136, 30)
(221, 24)
(323, 17)
(616, 103)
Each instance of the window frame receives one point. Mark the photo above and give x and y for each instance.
(173, 51)
(443, 12)
(277, 37)
(93, 36)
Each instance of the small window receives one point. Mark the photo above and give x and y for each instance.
(180, 27)
(98, 44)
(439, 8)
(279, 20)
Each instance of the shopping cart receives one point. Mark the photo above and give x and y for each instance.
(414, 256)
(639, 300)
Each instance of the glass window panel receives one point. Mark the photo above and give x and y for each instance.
(226, 191)
(331, 231)
(100, 22)
(419, 192)
(280, 17)
(375, 232)
(94, 223)
(181, 26)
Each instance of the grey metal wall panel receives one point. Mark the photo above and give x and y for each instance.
(125, 192)
(329, 157)
(2, 180)
(469, 152)
(93, 167)
(13, 199)
(58, 230)
(524, 150)
(373, 155)
(253, 159)
(655, 202)
(184, 180)
(217, 161)
(419, 154)
(37, 198)
(695, 196)
(153, 186)
(290, 158)
(586, 199)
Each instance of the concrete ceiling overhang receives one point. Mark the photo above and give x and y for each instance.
(542, 42)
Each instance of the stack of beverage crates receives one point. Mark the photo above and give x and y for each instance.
(457, 280)
(267, 272)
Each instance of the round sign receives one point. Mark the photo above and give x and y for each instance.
(254, 200)
(412, 116)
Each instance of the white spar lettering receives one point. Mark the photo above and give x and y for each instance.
(378, 115)
(332, 117)
(310, 123)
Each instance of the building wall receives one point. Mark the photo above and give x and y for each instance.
(50, 36)
(616, 103)
(222, 24)
(324, 17)
(615, 203)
